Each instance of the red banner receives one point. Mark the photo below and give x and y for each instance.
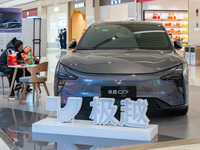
(140, 1)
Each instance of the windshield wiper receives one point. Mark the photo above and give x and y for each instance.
(87, 48)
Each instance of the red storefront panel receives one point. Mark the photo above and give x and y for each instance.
(139, 1)
(30, 12)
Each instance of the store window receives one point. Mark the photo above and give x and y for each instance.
(175, 22)
(56, 20)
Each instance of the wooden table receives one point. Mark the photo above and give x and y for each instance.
(15, 73)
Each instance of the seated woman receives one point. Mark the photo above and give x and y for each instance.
(14, 46)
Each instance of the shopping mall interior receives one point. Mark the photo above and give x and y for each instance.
(163, 69)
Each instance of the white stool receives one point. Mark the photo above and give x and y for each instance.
(3, 75)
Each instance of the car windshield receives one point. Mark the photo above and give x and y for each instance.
(125, 36)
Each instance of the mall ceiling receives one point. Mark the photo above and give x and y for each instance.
(5, 1)
(10, 3)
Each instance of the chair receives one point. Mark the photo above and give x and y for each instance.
(3, 75)
(36, 80)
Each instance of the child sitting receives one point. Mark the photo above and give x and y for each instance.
(28, 50)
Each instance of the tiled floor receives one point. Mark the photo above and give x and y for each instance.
(184, 147)
(186, 144)
(16, 119)
(194, 75)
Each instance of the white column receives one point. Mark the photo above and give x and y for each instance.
(96, 11)
(90, 18)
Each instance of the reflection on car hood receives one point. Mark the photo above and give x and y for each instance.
(121, 61)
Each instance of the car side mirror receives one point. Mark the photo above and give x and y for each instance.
(72, 45)
(177, 45)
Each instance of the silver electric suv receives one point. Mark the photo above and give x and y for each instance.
(124, 60)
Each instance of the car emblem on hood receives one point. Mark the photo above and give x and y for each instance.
(118, 82)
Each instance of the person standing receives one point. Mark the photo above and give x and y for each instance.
(60, 38)
(64, 39)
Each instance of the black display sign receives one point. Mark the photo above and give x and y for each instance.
(118, 91)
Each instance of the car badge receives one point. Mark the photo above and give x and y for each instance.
(118, 82)
(133, 75)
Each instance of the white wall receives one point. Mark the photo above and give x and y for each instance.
(118, 12)
(27, 35)
(166, 5)
(194, 32)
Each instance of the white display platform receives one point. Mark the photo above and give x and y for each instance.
(88, 129)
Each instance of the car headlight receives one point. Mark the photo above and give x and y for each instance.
(178, 76)
(63, 76)
(63, 73)
(66, 76)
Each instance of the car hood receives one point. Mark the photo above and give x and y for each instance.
(121, 61)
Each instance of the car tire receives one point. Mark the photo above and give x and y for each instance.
(5, 27)
(9, 26)
(180, 112)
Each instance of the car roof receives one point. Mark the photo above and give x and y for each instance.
(127, 22)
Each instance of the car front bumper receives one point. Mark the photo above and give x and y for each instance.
(161, 94)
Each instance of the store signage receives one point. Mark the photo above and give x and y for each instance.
(140, 1)
(115, 2)
(133, 113)
(79, 5)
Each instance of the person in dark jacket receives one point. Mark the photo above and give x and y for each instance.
(64, 38)
(14, 46)
(60, 39)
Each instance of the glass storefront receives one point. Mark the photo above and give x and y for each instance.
(56, 20)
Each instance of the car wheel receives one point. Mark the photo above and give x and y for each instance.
(9, 26)
(180, 112)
